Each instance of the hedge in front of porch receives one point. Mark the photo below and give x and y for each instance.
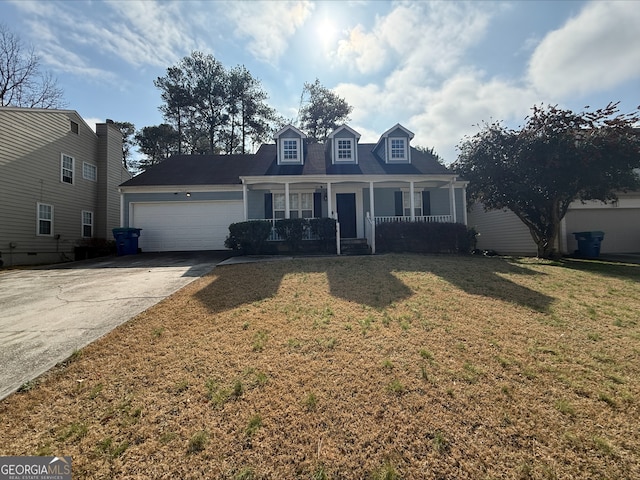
(423, 237)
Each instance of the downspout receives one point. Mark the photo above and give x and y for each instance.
(464, 204)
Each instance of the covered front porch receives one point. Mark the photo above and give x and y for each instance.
(357, 204)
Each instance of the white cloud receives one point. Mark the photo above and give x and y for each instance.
(432, 34)
(268, 25)
(596, 50)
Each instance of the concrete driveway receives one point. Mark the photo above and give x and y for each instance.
(47, 313)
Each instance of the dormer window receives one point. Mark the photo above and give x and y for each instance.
(398, 149)
(342, 145)
(291, 150)
(290, 147)
(345, 150)
(393, 146)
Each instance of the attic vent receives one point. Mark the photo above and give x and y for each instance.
(74, 127)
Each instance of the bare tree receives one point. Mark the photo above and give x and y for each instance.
(22, 84)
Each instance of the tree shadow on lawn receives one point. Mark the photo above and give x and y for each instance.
(623, 271)
(370, 280)
(483, 276)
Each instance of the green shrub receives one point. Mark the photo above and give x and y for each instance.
(248, 237)
(325, 230)
(292, 231)
(424, 237)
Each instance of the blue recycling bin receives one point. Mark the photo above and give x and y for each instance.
(126, 240)
(589, 243)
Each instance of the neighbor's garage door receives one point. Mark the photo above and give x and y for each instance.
(171, 227)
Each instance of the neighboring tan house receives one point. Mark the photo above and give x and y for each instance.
(503, 232)
(188, 202)
(58, 184)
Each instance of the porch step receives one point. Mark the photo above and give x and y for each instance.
(354, 246)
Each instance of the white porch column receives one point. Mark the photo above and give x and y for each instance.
(452, 202)
(245, 204)
(371, 203)
(329, 201)
(464, 205)
(286, 200)
(412, 202)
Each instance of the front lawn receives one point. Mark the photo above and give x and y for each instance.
(393, 366)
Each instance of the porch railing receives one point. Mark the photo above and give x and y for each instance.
(273, 235)
(370, 232)
(426, 219)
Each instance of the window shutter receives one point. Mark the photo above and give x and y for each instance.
(426, 202)
(317, 204)
(268, 206)
(399, 205)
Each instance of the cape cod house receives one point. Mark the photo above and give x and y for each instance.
(58, 184)
(187, 202)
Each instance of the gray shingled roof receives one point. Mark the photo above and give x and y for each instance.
(227, 169)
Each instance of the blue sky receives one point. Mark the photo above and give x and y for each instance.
(438, 68)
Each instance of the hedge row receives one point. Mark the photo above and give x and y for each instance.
(424, 237)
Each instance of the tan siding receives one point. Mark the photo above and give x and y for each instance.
(621, 227)
(31, 144)
(501, 231)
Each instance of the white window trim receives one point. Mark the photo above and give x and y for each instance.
(299, 209)
(38, 219)
(404, 159)
(417, 193)
(82, 224)
(73, 164)
(352, 143)
(95, 169)
(298, 159)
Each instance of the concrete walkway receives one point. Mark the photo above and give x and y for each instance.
(47, 313)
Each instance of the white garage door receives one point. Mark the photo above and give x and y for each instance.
(172, 227)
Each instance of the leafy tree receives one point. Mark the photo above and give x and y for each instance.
(158, 143)
(557, 157)
(214, 109)
(22, 84)
(322, 111)
(128, 131)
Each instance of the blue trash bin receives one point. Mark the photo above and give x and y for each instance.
(126, 240)
(589, 243)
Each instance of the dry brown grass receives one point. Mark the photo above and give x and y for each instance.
(396, 366)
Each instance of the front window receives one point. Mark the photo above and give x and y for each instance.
(300, 205)
(290, 150)
(66, 169)
(417, 203)
(398, 149)
(89, 172)
(345, 150)
(45, 219)
(87, 224)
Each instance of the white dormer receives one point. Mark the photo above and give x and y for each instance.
(394, 145)
(343, 145)
(290, 145)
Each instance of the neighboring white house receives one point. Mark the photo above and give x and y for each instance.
(58, 183)
(188, 202)
(505, 233)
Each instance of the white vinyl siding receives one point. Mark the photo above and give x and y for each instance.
(89, 172)
(66, 169)
(44, 226)
(87, 224)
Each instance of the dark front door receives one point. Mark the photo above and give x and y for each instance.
(347, 214)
